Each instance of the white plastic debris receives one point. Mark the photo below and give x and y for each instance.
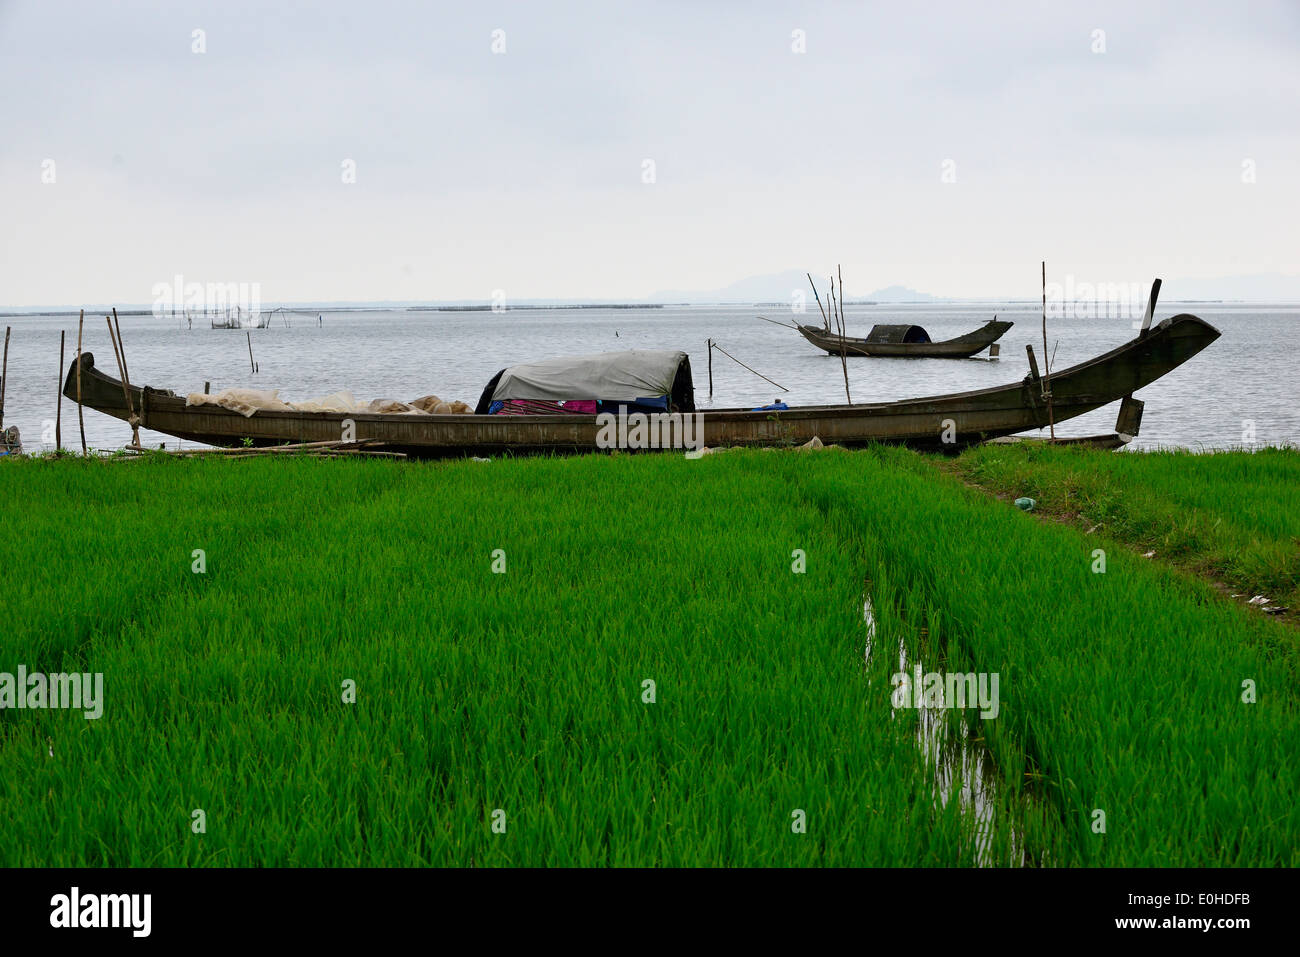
(869, 616)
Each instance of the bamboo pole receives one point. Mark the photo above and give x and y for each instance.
(826, 324)
(126, 379)
(126, 386)
(121, 345)
(710, 370)
(81, 417)
(254, 453)
(4, 377)
(333, 447)
(844, 356)
(58, 404)
(1047, 381)
(251, 364)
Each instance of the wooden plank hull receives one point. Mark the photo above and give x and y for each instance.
(943, 422)
(962, 347)
(1107, 441)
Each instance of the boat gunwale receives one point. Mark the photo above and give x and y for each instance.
(163, 401)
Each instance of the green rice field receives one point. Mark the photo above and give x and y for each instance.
(642, 660)
(1231, 518)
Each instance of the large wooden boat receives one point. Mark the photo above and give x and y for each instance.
(942, 421)
(905, 341)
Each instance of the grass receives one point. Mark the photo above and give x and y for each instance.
(1232, 518)
(525, 691)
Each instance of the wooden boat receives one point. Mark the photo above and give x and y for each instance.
(943, 421)
(906, 341)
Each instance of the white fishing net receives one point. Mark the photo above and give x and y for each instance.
(248, 401)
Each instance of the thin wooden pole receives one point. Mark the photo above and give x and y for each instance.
(121, 345)
(81, 418)
(126, 378)
(251, 364)
(844, 356)
(4, 377)
(58, 405)
(1047, 381)
(826, 323)
(126, 386)
(830, 299)
(710, 369)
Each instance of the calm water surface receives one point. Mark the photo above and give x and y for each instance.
(1245, 377)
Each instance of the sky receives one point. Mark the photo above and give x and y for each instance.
(612, 150)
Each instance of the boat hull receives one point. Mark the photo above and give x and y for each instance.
(941, 422)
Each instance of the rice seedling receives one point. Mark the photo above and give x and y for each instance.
(624, 660)
(1133, 692)
(515, 699)
(1232, 517)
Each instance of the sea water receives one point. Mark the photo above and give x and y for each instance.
(1242, 389)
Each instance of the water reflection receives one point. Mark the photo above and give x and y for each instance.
(956, 759)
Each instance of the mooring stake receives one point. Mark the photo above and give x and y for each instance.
(58, 402)
(81, 418)
(710, 370)
(4, 376)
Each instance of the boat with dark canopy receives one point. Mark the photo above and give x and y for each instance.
(941, 421)
(905, 341)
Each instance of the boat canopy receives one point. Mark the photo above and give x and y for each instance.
(642, 377)
(897, 334)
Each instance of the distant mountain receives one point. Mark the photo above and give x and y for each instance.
(777, 287)
(900, 294)
(772, 288)
(780, 287)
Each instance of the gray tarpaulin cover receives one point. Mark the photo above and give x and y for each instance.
(635, 374)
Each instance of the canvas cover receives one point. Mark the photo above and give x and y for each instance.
(897, 334)
(608, 376)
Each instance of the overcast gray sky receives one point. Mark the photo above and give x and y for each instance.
(524, 170)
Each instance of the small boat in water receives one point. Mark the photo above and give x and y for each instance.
(905, 341)
(936, 422)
